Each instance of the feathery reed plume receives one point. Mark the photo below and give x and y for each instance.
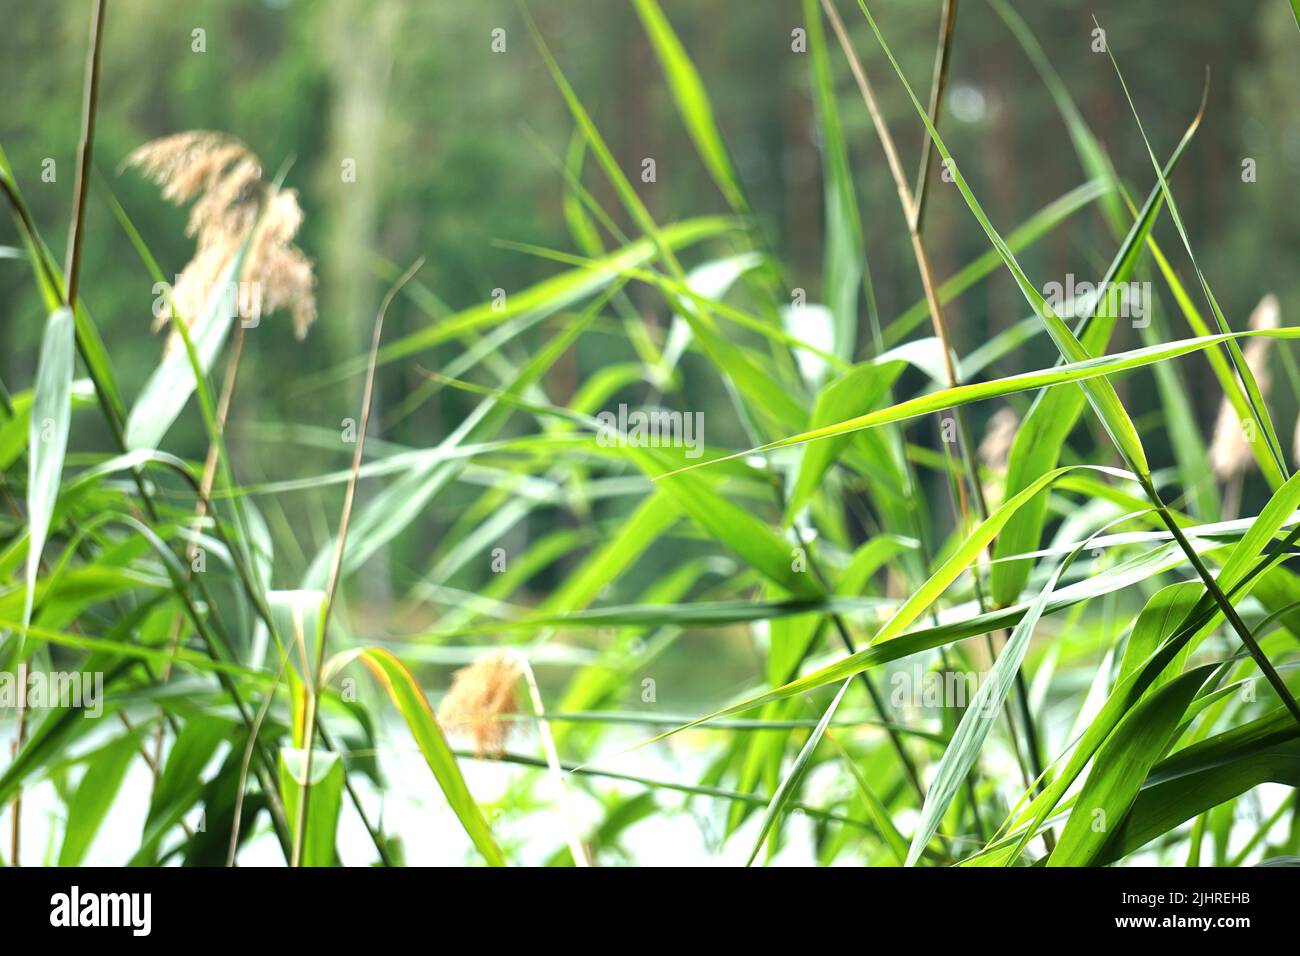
(995, 448)
(224, 179)
(481, 697)
(1230, 453)
(996, 444)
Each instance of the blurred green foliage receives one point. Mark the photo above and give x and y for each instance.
(457, 146)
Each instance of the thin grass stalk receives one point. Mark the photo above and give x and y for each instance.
(938, 85)
(571, 835)
(201, 506)
(908, 203)
(1022, 691)
(314, 679)
(77, 232)
(248, 757)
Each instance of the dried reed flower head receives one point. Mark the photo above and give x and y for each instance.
(994, 451)
(224, 179)
(1230, 452)
(998, 437)
(481, 697)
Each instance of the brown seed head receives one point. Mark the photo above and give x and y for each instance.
(224, 179)
(481, 696)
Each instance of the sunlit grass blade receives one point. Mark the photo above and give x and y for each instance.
(414, 708)
(95, 794)
(326, 800)
(651, 519)
(1158, 620)
(849, 396)
(1081, 372)
(845, 256)
(760, 546)
(164, 395)
(51, 420)
(792, 777)
(692, 100)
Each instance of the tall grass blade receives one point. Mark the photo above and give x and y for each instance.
(165, 394)
(51, 419)
(845, 256)
(692, 101)
(1042, 434)
(791, 780)
(1258, 407)
(1081, 372)
(410, 702)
